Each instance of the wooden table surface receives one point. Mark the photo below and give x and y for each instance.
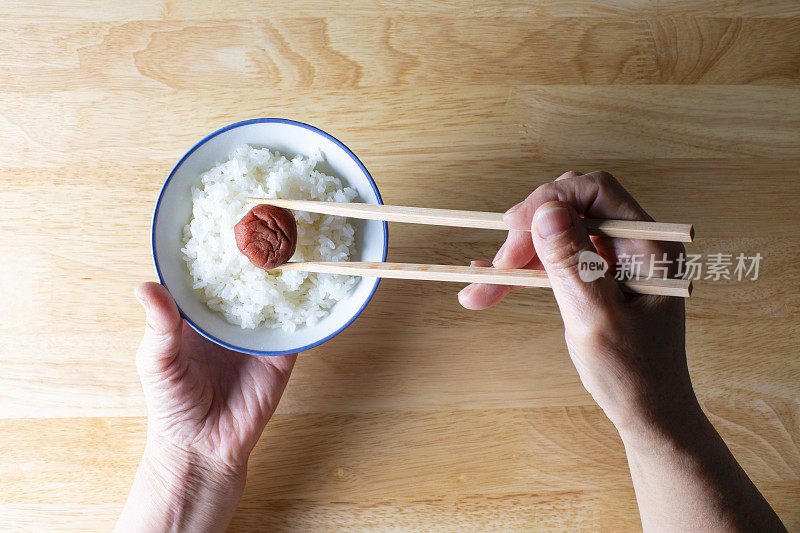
(421, 415)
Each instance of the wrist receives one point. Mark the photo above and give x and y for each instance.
(175, 489)
(176, 464)
(666, 423)
(182, 469)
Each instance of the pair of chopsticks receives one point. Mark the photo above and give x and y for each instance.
(628, 229)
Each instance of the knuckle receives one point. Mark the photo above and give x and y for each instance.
(546, 190)
(568, 175)
(562, 255)
(544, 193)
(600, 332)
(605, 179)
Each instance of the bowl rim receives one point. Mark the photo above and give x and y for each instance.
(205, 139)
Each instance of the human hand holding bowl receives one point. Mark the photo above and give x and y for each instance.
(207, 407)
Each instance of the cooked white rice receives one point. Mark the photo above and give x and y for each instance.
(244, 294)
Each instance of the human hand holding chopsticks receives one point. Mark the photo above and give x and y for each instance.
(630, 354)
(550, 235)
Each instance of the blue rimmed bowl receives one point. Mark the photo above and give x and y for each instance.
(174, 209)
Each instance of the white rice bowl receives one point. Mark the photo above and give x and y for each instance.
(229, 284)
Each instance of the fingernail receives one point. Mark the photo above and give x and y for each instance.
(472, 263)
(466, 290)
(553, 221)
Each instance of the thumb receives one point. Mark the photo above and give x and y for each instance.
(162, 333)
(560, 237)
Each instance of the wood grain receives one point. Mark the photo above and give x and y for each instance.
(420, 417)
(243, 9)
(401, 49)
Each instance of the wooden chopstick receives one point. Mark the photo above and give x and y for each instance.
(464, 274)
(628, 229)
